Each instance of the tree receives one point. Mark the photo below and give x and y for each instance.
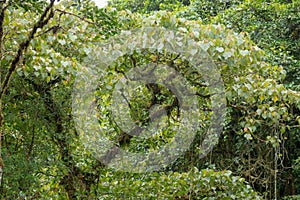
(42, 148)
(40, 65)
(279, 40)
(273, 36)
(13, 63)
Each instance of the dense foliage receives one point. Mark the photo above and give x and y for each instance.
(44, 47)
(275, 28)
(148, 6)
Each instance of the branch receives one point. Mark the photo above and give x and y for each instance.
(295, 126)
(24, 45)
(72, 14)
(204, 95)
(2, 14)
(54, 30)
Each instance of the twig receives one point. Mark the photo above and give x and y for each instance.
(72, 14)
